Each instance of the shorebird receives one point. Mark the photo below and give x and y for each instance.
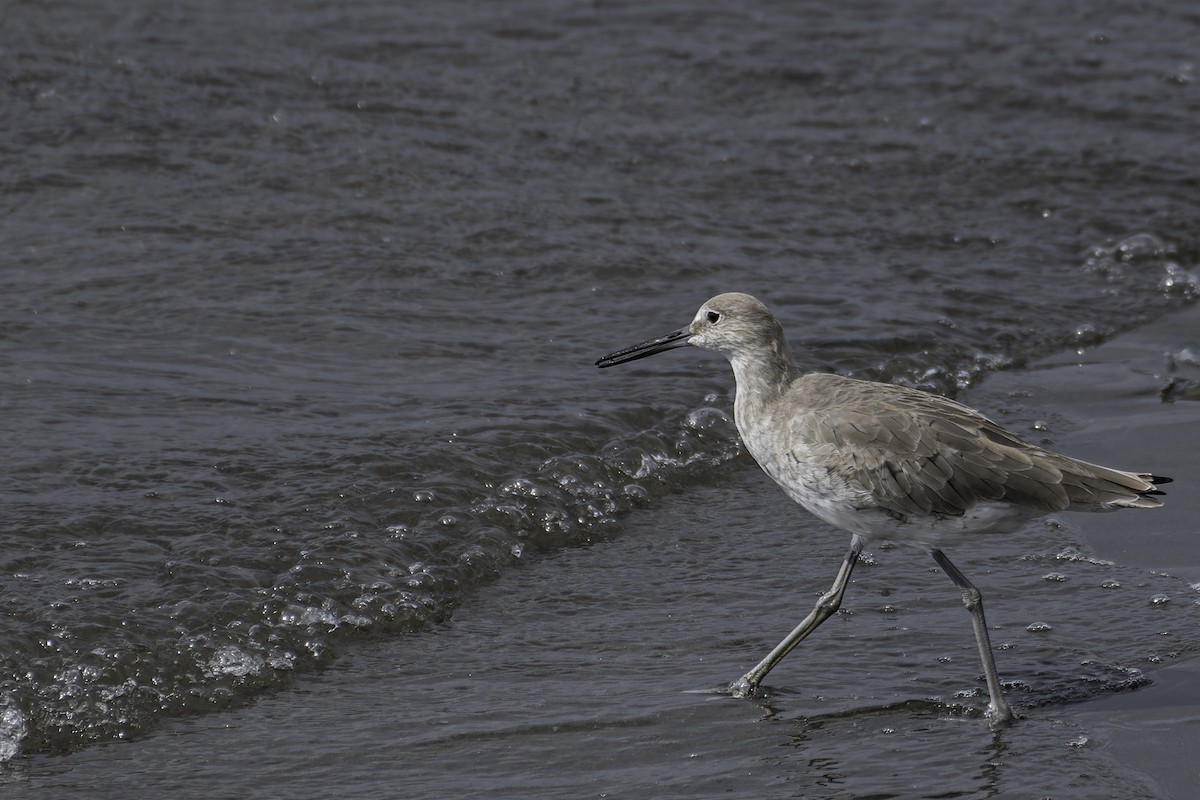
(886, 462)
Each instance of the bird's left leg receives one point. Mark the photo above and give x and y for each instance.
(827, 604)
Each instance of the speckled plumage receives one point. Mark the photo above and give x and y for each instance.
(889, 462)
(886, 462)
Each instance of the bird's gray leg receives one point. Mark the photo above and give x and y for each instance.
(826, 606)
(998, 709)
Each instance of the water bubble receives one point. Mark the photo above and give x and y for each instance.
(1039, 627)
(306, 616)
(1159, 599)
(1111, 584)
(522, 487)
(230, 660)
(1074, 554)
(1179, 282)
(707, 418)
(424, 496)
(1139, 246)
(1057, 577)
(635, 492)
(281, 659)
(1087, 334)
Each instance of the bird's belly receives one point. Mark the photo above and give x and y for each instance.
(932, 531)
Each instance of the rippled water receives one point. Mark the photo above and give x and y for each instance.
(300, 303)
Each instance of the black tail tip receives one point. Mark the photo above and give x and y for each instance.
(1155, 480)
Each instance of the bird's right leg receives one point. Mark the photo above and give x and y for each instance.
(998, 709)
(827, 605)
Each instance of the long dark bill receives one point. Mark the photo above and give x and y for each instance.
(672, 340)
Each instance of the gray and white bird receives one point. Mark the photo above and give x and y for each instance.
(886, 462)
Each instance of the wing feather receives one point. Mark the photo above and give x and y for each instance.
(916, 453)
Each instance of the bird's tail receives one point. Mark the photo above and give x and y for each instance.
(1093, 487)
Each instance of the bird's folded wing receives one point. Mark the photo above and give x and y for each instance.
(914, 462)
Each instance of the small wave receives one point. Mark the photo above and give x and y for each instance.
(14, 727)
(1089, 680)
(263, 613)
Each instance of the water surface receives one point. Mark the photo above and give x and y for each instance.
(301, 305)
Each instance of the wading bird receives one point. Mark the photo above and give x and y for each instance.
(886, 462)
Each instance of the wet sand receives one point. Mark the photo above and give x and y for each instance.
(1104, 392)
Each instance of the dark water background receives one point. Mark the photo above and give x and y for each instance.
(300, 303)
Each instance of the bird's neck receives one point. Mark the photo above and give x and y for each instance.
(762, 379)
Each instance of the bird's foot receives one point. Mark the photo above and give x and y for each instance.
(743, 687)
(999, 716)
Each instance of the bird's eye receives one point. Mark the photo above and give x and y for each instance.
(714, 317)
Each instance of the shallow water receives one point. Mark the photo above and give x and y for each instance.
(594, 671)
(301, 306)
